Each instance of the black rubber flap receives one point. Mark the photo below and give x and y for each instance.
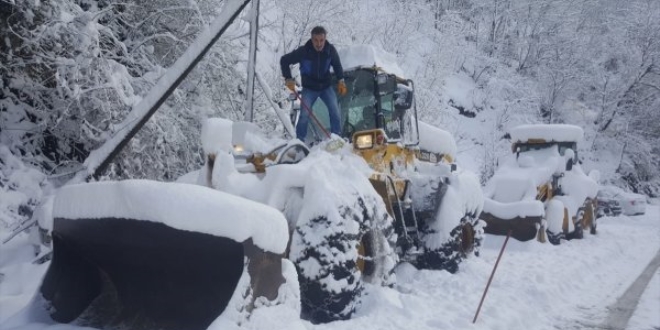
(121, 273)
(522, 229)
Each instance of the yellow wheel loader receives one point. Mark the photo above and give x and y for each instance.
(144, 255)
(413, 203)
(540, 190)
(140, 254)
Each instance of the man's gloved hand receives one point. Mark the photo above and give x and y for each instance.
(341, 88)
(290, 84)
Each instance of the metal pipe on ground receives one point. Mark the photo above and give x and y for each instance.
(492, 274)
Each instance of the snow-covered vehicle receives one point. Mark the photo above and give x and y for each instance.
(143, 254)
(541, 188)
(629, 203)
(354, 209)
(609, 205)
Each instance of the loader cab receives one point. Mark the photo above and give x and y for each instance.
(374, 100)
(539, 144)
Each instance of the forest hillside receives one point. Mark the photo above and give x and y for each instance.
(72, 69)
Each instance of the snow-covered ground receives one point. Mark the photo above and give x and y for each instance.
(537, 286)
(647, 315)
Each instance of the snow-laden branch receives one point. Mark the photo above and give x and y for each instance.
(101, 158)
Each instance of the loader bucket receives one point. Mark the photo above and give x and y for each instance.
(522, 228)
(128, 273)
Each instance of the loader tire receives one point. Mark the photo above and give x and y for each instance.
(589, 220)
(586, 220)
(333, 263)
(578, 232)
(464, 240)
(554, 238)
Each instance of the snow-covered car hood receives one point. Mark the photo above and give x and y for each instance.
(631, 203)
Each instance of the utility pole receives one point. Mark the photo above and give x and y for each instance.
(99, 160)
(252, 61)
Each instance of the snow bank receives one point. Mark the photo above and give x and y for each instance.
(368, 56)
(437, 140)
(240, 137)
(555, 215)
(462, 198)
(579, 186)
(525, 208)
(217, 135)
(517, 177)
(281, 313)
(248, 137)
(177, 205)
(21, 188)
(547, 132)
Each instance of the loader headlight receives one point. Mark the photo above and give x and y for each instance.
(364, 141)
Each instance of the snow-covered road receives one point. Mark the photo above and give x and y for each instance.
(537, 286)
(622, 310)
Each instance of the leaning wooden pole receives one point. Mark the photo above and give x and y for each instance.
(492, 274)
(99, 160)
(252, 61)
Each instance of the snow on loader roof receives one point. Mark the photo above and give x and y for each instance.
(547, 132)
(367, 56)
(434, 139)
(160, 202)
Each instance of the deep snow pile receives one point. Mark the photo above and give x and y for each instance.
(537, 286)
(180, 206)
(329, 204)
(21, 189)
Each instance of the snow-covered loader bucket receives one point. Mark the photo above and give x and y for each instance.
(143, 254)
(520, 220)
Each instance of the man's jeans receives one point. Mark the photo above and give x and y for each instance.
(309, 97)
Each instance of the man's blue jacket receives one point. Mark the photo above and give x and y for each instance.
(314, 66)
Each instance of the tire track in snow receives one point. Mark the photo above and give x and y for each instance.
(623, 308)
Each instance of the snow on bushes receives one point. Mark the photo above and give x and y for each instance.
(21, 189)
